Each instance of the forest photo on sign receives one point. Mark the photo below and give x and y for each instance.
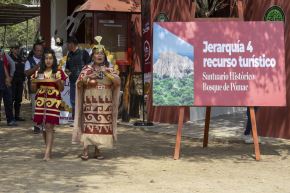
(172, 69)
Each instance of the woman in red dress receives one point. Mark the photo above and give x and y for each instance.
(48, 82)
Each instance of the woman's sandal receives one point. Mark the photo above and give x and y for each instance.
(84, 157)
(46, 159)
(99, 157)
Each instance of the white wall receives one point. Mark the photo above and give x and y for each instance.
(198, 113)
(58, 18)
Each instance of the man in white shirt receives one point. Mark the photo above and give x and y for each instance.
(56, 45)
(31, 66)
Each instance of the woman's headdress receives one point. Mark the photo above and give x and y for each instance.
(110, 57)
(99, 46)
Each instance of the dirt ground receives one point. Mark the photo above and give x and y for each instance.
(141, 161)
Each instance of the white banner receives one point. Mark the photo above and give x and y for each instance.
(66, 109)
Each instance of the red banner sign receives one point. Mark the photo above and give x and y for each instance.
(231, 63)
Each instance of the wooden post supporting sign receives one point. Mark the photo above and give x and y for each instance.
(179, 132)
(255, 134)
(206, 126)
(240, 14)
(206, 132)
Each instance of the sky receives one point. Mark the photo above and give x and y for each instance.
(163, 41)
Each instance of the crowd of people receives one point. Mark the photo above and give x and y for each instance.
(94, 89)
(94, 92)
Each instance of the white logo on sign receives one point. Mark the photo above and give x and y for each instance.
(147, 50)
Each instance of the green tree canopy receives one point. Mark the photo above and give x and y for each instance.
(18, 32)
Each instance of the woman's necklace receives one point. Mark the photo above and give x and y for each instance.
(96, 67)
(47, 74)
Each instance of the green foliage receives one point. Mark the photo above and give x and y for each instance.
(18, 32)
(17, 1)
(206, 8)
(173, 92)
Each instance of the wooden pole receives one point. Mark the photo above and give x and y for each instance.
(179, 132)
(193, 9)
(255, 134)
(4, 38)
(0, 106)
(206, 126)
(26, 34)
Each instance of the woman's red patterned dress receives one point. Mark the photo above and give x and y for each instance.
(48, 100)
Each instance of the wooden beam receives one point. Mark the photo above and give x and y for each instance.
(6, 24)
(240, 10)
(193, 10)
(45, 21)
(18, 11)
(4, 38)
(11, 20)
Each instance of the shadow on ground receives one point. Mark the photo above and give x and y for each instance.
(22, 168)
